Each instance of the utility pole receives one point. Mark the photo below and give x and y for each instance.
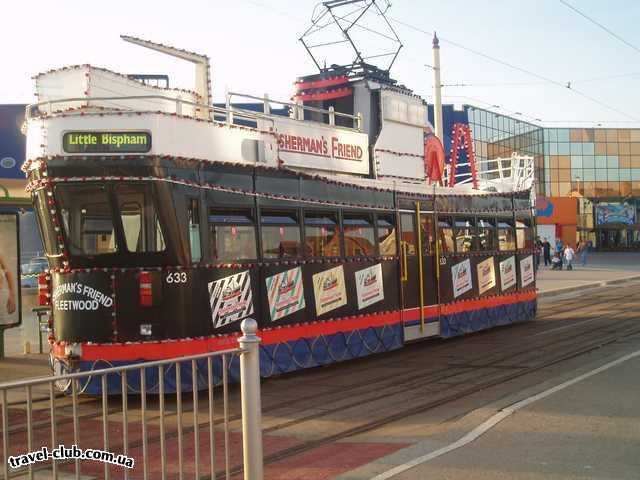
(437, 86)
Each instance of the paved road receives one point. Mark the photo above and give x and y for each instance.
(588, 430)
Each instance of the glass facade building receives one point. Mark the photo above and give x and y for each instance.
(598, 166)
(601, 167)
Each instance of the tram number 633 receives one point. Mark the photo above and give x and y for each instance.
(176, 277)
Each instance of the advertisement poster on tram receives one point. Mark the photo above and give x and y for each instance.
(461, 276)
(231, 299)
(328, 290)
(285, 293)
(369, 285)
(507, 273)
(486, 275)
(526, 270)
(9, 271)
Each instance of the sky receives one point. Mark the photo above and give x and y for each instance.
(254, 49)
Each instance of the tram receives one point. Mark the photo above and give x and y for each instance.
(168, 220)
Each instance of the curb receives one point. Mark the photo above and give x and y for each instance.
(562, 291)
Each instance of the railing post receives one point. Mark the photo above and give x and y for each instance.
(266, 106)
(250, 397)
(227, 105)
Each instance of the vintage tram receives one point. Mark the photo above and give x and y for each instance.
(167, 220)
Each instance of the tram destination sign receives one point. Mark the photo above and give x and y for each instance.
(106, 142)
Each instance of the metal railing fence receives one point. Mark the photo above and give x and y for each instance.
(228, 114)
(152, 429)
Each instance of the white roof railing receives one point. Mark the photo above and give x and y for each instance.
(512, 174)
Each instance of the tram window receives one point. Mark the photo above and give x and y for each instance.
(140, 223)
(359, 238)
(428, 234)
(445, 234)
(487, 235)
(506, 236)
(233, 235)
(524, 235)
(322, 234)
(193, 214)
(465, 235)
(280, 234)
(87, 219)
(408, 235)
(387, 235)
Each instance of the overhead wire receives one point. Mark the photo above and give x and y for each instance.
(522, 84)
(595, 22)
(521, 69)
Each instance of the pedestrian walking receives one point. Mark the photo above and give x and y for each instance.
(538, 251)
(546, 251)
(582, 250)
(560, 249)
(569, 254)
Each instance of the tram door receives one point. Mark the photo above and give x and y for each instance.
(418, 285)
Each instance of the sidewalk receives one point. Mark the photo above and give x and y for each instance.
(601, 269)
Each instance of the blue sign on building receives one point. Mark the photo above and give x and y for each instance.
(12, 141)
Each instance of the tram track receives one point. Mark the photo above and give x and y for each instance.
(400, 387)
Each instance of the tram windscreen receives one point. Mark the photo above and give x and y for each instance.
(87, 219)
(90, 226)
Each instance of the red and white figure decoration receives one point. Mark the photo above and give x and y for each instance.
(434, 160)
(461, 140)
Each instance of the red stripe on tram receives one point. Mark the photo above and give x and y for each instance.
(175, 348)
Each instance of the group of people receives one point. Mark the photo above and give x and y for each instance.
(563, 256)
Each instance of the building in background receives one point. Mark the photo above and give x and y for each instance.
(12, 152)
(598, 167)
